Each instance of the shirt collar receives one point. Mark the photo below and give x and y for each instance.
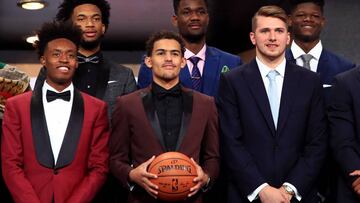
(98, 54)
(46, 87)
(264, 70)
(200, 54)
(315, 52)
(157, 89)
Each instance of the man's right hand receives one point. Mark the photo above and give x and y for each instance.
(140, 176)
(272, 195)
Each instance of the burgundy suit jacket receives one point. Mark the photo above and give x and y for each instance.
(27, 160)
(136, 136)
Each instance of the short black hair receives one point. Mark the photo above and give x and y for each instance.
(67, 7)
(294, 3)
(177, 2)
(55, 30)
(163, 35)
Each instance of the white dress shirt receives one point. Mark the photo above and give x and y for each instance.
(315, 52)
(57, 114)
(264, 70)
(188, 54)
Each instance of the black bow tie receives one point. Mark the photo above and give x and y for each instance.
(51, 96)
(175, 92)
(91, 59)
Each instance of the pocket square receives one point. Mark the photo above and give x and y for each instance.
(111, 81)
(326, 85)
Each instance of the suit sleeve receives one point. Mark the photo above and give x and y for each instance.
(12, 158)
(98, 161)
(242, 169)
(210, 145)
(120, 164)
(145, 75)
(307, 168)
(343, 138)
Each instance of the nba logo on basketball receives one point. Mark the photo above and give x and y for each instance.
(175, 186)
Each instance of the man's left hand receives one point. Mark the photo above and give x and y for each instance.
(201, 179)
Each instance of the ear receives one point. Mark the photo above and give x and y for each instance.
(288, 38)
(103, 29)
(252, 38)
(174, 21)
(289, 21)
(148, 62)
(183, 62)
(42, 60)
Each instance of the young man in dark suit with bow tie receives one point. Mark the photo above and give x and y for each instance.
(54, 144)
(96, 75)
(164, 117)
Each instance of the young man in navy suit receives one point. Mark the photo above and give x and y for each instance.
(307, 21)
(273, 124)
(204, 63)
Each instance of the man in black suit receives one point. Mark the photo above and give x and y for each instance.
(273, 124)
(344, 116)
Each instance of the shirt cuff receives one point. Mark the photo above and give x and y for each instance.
(254, 195)
(297, 194)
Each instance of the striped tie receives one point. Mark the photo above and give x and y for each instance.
(195, 74)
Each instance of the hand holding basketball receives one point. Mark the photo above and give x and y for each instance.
(201, 179)
(140, 176)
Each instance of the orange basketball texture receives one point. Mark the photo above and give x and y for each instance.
(176, 173)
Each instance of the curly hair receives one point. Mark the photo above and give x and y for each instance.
(177, 2)
(67, 7)
(55, 30)
(163, 35)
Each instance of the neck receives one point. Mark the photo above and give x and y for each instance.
(271, 62)
(306, 46)
(87, 52)
(194, 47)
(58, 86)
(167, 84)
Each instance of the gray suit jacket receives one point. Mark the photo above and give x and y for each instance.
(115, 80)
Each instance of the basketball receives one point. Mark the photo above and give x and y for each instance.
(175, 173)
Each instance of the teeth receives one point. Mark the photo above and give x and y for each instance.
(63, 68)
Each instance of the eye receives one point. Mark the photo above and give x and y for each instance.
(97, 19)
(55, 54)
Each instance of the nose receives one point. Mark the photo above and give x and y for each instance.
(168, 57)
(194, 15)
(272, 36)
(89, 22)
(64, 58)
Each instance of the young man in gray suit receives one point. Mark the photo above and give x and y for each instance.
(96, 75)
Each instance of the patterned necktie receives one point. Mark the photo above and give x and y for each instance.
(273, 95)
(92, 59)
(306, 59)
(195, 74)
(51, 96)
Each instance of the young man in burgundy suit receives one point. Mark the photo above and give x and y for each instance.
(163, 117)
(54, 145)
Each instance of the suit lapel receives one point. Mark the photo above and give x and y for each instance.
(211, 71)
(72, 135)
(186, 116)
(290, 85)
(185, 77)
(102, 79)
(289, 56)
(152, 117)
(40, 133)
(253, 77)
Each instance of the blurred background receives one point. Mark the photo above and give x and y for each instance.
(131, 22)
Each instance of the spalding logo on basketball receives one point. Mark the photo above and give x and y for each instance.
(175, 173)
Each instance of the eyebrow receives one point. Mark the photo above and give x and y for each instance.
(164, 50)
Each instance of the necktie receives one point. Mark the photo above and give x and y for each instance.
(195, 74)
(172, 92)
(92, 59)
(273, 95)
(51, 96)
(306, 59)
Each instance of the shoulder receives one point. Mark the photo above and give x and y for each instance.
(92, 101)
(133, 97)
(115, 67)
(21, 98)
(336, 60)
(227, 55)
(348, 76)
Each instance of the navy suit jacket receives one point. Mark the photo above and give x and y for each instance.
(344, 116)
(329, 65)
(253, 151)
(215, 63)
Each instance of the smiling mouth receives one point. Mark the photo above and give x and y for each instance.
(63, 69)
(90, 34)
